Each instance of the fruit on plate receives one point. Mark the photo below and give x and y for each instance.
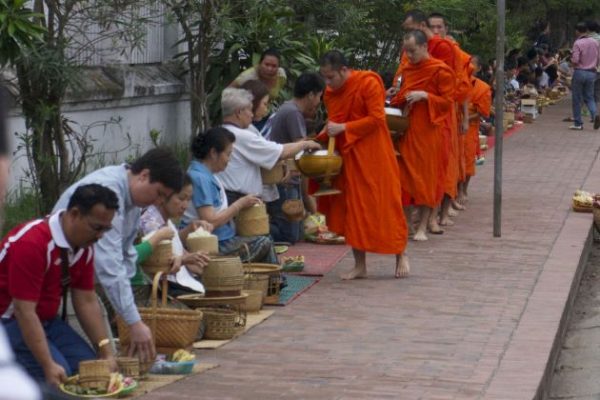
(115, 382)
(182, 355)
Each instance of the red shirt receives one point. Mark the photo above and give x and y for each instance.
(31, 270)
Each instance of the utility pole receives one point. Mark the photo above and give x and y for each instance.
(499, 116)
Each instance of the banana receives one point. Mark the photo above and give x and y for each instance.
(182, 355)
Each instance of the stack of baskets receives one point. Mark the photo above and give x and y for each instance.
(94, 374)
(273, 274)
(172, 329)
(223, 304)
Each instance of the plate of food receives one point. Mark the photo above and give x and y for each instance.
(114, 388)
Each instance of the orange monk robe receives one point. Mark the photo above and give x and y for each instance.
(463, 70)
(480, 103)
(445, 50)
(421, 146)
(369, 210)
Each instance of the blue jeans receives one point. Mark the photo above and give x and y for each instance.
(282, 230)
(582, 87)
(67, 348)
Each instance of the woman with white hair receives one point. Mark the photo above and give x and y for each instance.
(251, 151)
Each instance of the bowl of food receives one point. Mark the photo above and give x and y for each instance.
(396, 121)
(73, 387)
(319, 164)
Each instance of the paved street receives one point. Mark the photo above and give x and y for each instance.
(476, 319)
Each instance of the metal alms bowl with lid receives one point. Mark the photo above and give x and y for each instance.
(321, 165)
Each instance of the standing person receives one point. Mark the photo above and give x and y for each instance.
(268, 71)
(594, 30)
(36, 260)
(153, 176)
(369, 211)
(289, 126)
(427, 94)
(479, 107)
(584, 59)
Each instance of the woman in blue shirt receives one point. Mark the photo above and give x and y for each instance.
(211, 152)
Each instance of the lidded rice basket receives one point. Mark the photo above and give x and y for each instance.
(209, 244)
(253, 221)
(223, 276)
(159, 260)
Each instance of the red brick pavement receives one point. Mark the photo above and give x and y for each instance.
(476, 319)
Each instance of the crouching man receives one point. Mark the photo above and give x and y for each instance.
(39, 262)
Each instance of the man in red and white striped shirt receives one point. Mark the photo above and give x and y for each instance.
(36, 260)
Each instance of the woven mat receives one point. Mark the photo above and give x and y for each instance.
(296, 285)
(319, 259)
(251, 321)
(154, 381)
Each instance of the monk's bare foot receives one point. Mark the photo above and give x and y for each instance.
(457, 206)
(452, 212)
(434, 228)
(461, 199)
(356, 273)
(420, 236)
(446, 221)
(402, 267)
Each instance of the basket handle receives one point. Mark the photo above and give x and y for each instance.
(158, 277)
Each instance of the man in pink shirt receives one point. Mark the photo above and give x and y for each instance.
(586, 53)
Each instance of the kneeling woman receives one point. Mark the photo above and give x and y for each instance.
(211, 152)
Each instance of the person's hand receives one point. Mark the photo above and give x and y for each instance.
(311, 145)
(247, 201)
(200, 223)
(164, 233)
(112, 363)
(176, 263)
(334, 129)
(196, 262)
(54, 374)
(416, 95)
(141, 342)
(391, 91)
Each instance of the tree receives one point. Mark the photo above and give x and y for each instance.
(43, 47)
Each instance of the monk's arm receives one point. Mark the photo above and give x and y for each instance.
(373, 95)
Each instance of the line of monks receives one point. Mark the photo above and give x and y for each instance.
(444, 102)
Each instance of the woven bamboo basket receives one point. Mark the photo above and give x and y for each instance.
(94, 374)
(209, 244)
(273, 272)
(159, 259)
(253, 221)
(293, 210)
(274, 175)
(257, 282)
(172, 329)
(223, 276)
(220, 323)
(254, 301)
(129, 366)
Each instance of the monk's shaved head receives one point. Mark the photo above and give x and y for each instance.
(417, 16)
(418, 35)
(334, 59)
(437, 23)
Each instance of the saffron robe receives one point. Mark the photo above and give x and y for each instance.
(369, 210)
(421, 147)
(480, 103)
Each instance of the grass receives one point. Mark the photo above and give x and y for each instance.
(21, 206)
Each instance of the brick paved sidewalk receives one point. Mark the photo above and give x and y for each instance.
(476, 319)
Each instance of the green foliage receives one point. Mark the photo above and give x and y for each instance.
(21, 205)
(19, 30)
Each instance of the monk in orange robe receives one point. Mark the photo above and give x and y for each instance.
(480, 106)
(369, 210)
(443, 50)
(462, 69)
(427, 92)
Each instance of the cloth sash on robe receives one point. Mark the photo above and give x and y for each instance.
(422, 146)
(480, 103)
(369, 210)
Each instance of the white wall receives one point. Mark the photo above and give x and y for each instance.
(168, 114)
